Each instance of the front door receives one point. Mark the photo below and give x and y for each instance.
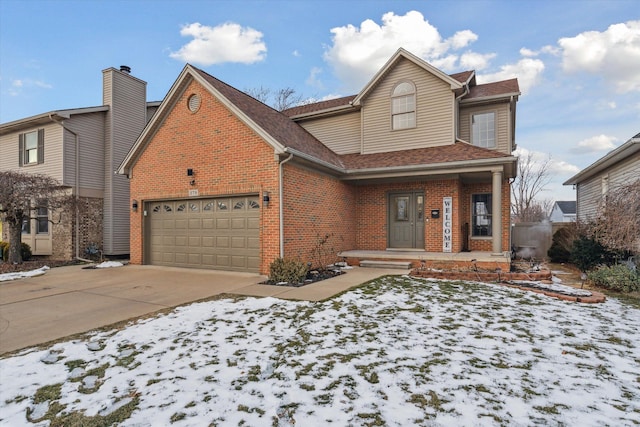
(406, 220)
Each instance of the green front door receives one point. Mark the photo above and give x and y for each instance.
(406, 220)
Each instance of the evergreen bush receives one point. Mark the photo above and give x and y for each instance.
(617, 277)
(283, 270)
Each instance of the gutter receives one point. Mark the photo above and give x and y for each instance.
(464, 93)
(76, 185)
(280, 202)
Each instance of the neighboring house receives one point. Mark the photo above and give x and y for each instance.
(417, 165)
(81, 148)
(619, 166)
(564, 211)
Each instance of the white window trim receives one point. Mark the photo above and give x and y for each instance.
(495, 127)
(415, 105)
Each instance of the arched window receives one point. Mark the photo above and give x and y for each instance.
(403, 106)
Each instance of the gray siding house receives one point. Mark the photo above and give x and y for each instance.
(563, 211)
(619, 166)
(82, 148)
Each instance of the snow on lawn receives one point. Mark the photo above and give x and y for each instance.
(22, 274)
(398, 351)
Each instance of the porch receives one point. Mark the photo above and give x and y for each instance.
(458, 261)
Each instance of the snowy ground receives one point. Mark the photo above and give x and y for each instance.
(399, 351)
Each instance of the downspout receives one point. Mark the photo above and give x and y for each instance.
(457, 123)
(281, 201)
(76, 184)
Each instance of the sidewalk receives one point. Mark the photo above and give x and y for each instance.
(71, 300)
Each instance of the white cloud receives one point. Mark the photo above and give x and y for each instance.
(528, 71)
(228, 42)
(313, 79)
(17, 83)
(475, 61)
(594, 144)
(613, 54)
(358, 52)
(296, 53)
(556, 167)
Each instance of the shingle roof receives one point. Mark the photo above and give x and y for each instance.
(567, 207)
(319, 106)
(493, 89)
(459, 151)
(276, 124)
(291, 135)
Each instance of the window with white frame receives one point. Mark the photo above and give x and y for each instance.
(481, 215)
(31, 147)
(483, 130)
(403, 106)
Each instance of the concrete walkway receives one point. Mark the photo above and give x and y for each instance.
(71, 300)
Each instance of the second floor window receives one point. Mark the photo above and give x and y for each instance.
(403, 106)
(31, 147)
(483, 130)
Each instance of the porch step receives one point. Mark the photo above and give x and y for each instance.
(400, 265)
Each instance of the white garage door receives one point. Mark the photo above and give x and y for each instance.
(220, 233)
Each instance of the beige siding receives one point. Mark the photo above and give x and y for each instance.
(434, 112)
(625, 171)
(53, 152)
(340, 133)
(503, 133)
(590, 191)
(589, 194)
(126, 95)
(150, 112)
(90, 130)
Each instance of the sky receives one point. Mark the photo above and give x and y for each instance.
(577, 62)
(392, 352)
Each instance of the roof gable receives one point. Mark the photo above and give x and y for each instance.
(391, 63)
(274, 127)
(567, 207)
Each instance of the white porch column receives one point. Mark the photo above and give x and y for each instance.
(496, 213)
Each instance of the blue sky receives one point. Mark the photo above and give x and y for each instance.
(578, 62)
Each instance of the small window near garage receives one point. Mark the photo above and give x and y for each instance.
(208, 206)
(481, 211)
(194, 103)
(254, 205)
(193, 207)
(403, 106)
(222, 206)
(483, 130)
(42, 218)
(239, 205)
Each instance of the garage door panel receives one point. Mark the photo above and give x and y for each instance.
(253, 243)
(238, 242)
(222, 223)
(223, 260)
(220, 233)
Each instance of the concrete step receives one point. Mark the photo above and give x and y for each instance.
(400, 265)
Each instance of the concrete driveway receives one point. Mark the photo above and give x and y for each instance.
(71, 300)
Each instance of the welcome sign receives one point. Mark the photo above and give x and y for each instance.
(447, 210)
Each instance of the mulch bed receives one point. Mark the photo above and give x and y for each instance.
(312, 277)
(6, 267)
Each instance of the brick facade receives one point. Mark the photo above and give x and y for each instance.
(227, 158)
(317, 206)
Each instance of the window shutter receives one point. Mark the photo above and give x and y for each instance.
(40, 146)
(21, 150)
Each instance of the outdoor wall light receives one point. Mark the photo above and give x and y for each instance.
(265, 198)
(134, 205)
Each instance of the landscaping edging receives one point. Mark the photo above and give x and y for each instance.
(507, 279)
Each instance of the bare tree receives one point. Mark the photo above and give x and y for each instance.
(532, 178)
(280, 100)
(617, 224)
(21, 197)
